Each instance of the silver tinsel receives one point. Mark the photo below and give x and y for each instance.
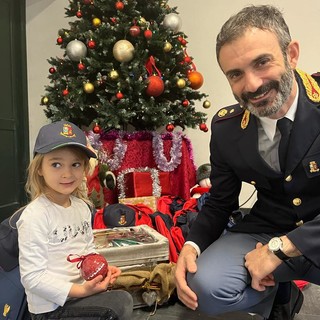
(156, 187)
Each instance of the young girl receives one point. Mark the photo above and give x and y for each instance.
(56, 223)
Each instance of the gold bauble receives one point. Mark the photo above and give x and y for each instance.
(96, 22)
(88, 87)
(45, 100)
(123, 51)
(206, 104)
(181, 83)
(142, 22)
(167, 47)
(113, 75)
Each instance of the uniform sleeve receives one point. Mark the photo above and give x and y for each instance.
(33, 228)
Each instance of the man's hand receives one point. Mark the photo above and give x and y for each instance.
(260, 263)
(186, 263)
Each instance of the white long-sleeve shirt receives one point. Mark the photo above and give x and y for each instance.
(47, 234)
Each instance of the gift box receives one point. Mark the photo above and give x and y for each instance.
(150, 201)
(140, 184)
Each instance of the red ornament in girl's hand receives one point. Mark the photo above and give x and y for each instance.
(91, 265)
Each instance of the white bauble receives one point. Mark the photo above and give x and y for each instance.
(76, 50)
(173, 22)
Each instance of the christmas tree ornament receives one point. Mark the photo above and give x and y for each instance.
(96, 22)
(76, 50)
(173, 22)
(79, 14)
(119, 95)
(181, 83)
(59, 40)
(135, 31)
(206, 104)
(88, 87)
(52, 70)
(167, 47)
(123, 51)
(203, 127)
(65, 92)
(119, 5)
(196, 79)
(148, 34)
(96, 129)
(182, 40)
(142, 22)
(44, 100)
(91, 265)
(155, 86)
(185, 102)
(113, 75)
(91, 44)
(81, 66)
(169, 127)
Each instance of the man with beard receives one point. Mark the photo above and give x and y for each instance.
(251, 265)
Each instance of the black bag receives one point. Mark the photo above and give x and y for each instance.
(9, 250)
(13, 302)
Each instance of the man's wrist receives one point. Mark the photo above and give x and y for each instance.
(195, 246)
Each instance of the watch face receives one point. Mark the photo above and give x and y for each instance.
(275, 244)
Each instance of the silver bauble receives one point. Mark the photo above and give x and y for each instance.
(76, 50)
(123, 51)
(173, 22)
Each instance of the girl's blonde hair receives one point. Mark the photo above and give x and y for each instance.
(36, 185)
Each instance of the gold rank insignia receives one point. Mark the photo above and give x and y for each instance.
(122, 220)
(245, 119)
(222, 113)
(313, 167)
(311, 86)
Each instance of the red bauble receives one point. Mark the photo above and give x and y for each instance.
(65, 92)
(203, 127)
(96, 129)
(79, 14)
(91, 44)
(196, 79)
(148, 34)
(119, 95)
(93, 265)
(52, 70)
(59, 40)
(119, 5)
(155, 86)
(170, 127)
(182, 40)
(187, 59)
(185, 102)
(81, 66)
(135, 31)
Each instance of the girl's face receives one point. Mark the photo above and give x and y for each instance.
(63, 171)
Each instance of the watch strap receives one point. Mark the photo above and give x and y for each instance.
(281, 255)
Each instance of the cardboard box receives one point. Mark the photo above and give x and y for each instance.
(131, 247)
(150, 201)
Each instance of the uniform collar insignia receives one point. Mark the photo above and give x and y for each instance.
(245, 119)
(311, 86)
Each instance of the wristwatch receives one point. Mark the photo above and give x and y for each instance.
(275, 245)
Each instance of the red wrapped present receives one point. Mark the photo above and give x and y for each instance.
(141, 184)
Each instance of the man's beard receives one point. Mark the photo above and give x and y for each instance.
(263, 109)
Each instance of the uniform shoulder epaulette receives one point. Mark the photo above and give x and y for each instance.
(311, 84)
(228, 112)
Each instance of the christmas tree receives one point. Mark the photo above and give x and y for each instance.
(125, 65)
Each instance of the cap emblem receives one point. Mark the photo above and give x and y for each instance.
(67, 131)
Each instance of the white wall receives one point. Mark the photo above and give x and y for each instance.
(201, 21)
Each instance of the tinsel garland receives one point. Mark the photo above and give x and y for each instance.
(175, 152)
(120, 147)
(119, 151)
(154, 173)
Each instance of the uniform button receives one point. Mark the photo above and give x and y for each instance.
(296, 201)
(253, 183)
(288, 178)
(299, 223)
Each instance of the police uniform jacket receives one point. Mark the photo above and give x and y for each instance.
(287, 203)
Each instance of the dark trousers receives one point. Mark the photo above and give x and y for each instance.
(223, 284)
(109, 305)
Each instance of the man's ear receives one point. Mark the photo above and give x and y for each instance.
(293, 53)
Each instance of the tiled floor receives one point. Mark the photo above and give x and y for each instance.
(310, 310)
